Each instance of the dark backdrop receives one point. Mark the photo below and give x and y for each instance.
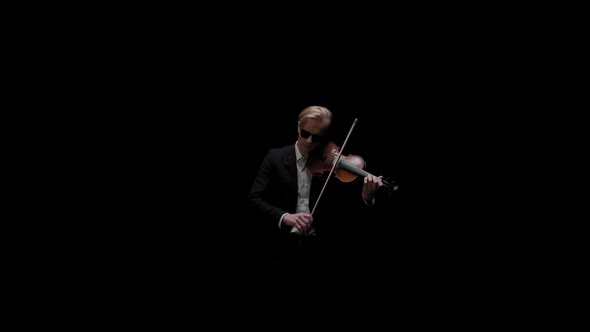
(179, 164)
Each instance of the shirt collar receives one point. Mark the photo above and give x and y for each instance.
(298, 154)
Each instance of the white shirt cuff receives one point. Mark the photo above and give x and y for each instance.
(281, 220)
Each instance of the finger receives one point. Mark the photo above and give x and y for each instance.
(301, 222)
(302, 227)
(373, 187)
(304, 221)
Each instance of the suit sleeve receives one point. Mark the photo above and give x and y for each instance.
(262, 189)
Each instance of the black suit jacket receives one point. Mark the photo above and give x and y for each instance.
(274, 192)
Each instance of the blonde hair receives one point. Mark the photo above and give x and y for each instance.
(314, 112)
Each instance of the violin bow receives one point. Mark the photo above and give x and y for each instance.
(334, 165)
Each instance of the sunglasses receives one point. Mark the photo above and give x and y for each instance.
(314, 137)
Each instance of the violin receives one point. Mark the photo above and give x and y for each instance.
(348, 169)
(345, 168)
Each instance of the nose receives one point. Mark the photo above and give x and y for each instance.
(309, 139)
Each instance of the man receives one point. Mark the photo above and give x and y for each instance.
(285, 191)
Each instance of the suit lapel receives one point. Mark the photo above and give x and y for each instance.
(291, 165)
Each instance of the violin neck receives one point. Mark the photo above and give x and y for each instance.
(353, 169)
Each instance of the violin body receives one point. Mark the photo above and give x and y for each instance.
(325, 163)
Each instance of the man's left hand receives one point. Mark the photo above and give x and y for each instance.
(372, 184)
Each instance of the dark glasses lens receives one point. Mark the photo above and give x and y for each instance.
(314, 138)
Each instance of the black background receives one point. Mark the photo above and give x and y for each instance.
(177, 148)
(182, 163)
(160, 129)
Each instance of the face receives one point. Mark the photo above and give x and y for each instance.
(310, 134)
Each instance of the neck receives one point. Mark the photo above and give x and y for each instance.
(303, 153)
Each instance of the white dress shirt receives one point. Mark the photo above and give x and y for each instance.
(303, 187)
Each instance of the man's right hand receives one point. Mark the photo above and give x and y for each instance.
(301, 221)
